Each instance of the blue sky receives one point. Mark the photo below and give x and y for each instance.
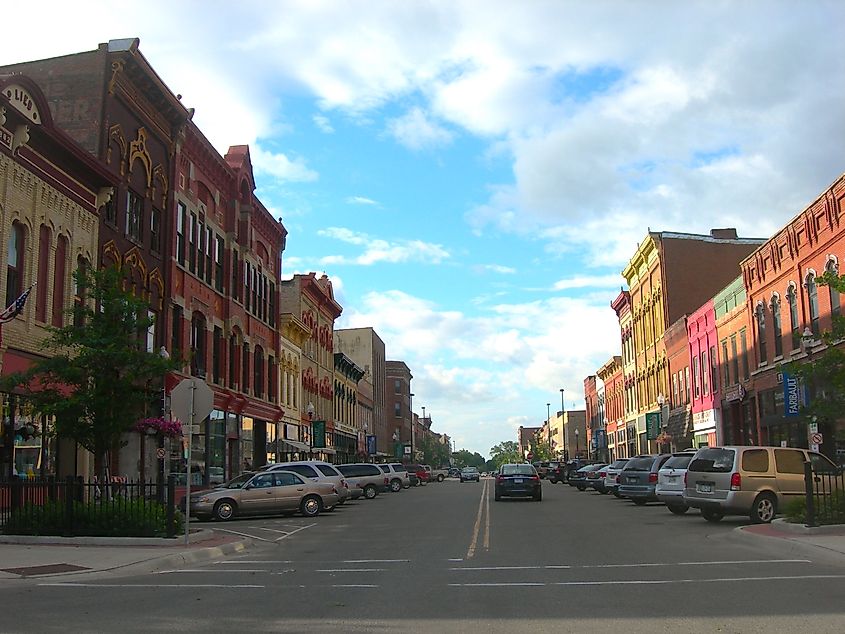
(473, 176)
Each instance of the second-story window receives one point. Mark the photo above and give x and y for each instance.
(209, 257)
(155, 230)
(181, 213)
(216, 354)
(59, 270)
(833, 269)
(134, 216)
(192, 244)
(777, 326)
(792, 301)
(14, 263)
(198, 345)
(235, 291)
(813, 301)
(258, 372)
(218, 263)
(201, 250)
(760, 316)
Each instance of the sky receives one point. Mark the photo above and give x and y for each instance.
(474, 176)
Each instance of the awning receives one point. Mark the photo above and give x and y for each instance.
(294, 445)
(327, 450)
(679, 424)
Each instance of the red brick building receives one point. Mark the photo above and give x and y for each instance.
(677, 432)
(614, 404)
(399, 431)
(788, 311)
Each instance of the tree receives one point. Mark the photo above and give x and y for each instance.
(433, 453)
(465, 458)
(540, 450)
(505, 452)
(96, 378)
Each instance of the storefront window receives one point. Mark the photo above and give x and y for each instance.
(246, 443)
(216, 447)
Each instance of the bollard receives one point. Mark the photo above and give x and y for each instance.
(809, 498)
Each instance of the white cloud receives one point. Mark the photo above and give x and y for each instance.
(377, 250)
(280, 166)
(323, 123)
(416, 130)
(361, 200)
(499, 268)
(589, 281)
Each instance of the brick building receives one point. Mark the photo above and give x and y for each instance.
(51, 192)
(398, 410)
(677, 432)
(625, 443)
(705, 390)
(614, 405)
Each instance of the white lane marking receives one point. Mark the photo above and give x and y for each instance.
(271, 530)
(454, 560)
(352, 570)
(301, 528)
(477, 528)
(640, 565)
(354, 585)
(647, 582)
(375, 561)
(226, 530)
(148, 585)
(194, 570)
(496, 585)
(240, 562)
(487, 521)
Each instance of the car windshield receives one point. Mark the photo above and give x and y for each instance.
(238, 482)
(470, 469)
(677, 462)
(714, 460)
(518, 469)
(327, 470)
(639, 464)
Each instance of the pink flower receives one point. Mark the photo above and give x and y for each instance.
(163, 426)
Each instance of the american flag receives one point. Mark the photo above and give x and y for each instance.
(14, 309)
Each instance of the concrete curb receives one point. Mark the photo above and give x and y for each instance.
(788, 543)
(782, 525)
(193, 537)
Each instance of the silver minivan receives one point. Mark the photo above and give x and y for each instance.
(315, 470)
(747, 480)
(365, 476)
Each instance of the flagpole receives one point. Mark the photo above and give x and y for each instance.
(18, 309)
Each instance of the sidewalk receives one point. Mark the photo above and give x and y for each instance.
(51, 557)
(822, 541)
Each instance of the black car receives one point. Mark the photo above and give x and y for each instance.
(518, 480)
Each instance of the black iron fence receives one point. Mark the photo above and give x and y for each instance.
(72, 507)
(824, 492)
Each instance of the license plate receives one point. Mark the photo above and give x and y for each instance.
(632, 480)
(517, 481)
(704, 487)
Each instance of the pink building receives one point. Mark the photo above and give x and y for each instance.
(704, 371)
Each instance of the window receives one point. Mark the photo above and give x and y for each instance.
(744, 347)
(233, 368)
(288, 479)
(192, 244)
(813, 300)
(789, 461)
(246, 286)
(272, 305)
(45, 238)
(397, 386)
(714, 370)
(258, 371)
(792, 301)
(695, 378)
(755, 460)
(218, 263)
(176, 332)
(704, 384)
(833, 269)
(271, 379)
(760, 316)
(209, 251)
(155, 230)
(216, 354)
(245, 367)
(235, 290)
(675, 395)
(59, 270)
(150, 342)
(397, 409)
(777, 326)
(79, 296)
(198, 346)
(14, 263)
(201, 250)
(134, 215)
(726, 368)
(181, 213)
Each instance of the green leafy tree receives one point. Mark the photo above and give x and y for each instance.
(541, 450)
(96, 378)
(505, 452)
(433, 453)
(465, 458)
(824, 372)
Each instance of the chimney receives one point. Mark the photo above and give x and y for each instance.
(724, 234)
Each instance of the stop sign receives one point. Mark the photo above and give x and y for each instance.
(530, 455)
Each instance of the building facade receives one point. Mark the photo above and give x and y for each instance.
(625, 443)
(347, 427)
(399, 412)
(614, 405)
(704, 359)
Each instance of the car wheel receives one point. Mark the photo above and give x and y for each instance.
(603, 491)
(440, 478)
(396, 485)
(580, 488)
(678, 509)
(617, 495)
(311, 506)
(370, 492)
(224, 510)
(764, 508)
(712, 516)
(638, 501)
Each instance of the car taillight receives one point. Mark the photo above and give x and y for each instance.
(535, 478)
(736, 482)
(602, 474)
(386, 481)
(500, 478)
(334, 489)
(685, 479)
(652, 477)
(618, 479)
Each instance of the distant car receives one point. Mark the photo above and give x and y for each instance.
(368, 477)
(579, 478)
(542, 467)
(469, 474)
(611, 471)
(595, 477)
(517, 480)
(670, 482)
(420, 471)
(573, 465)
(638, 480)
(264, 493)
(397, 476)
(454, 472)
(556, 472)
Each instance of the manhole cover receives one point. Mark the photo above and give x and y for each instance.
(49, 569)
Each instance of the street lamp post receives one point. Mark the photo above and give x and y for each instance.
(577, 449)
(411, 408)
(563, 424)
(549, 427)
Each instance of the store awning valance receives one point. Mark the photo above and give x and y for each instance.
(294, 445)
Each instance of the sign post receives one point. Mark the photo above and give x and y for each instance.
(191, 400)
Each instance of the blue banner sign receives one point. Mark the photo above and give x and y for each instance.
(791, 395)
(371, 445)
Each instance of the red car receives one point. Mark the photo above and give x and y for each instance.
(422, 474)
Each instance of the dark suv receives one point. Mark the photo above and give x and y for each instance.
(638, 479)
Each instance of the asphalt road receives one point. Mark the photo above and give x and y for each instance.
(447, 558)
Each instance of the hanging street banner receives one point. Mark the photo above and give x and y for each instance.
(791, 395)
(318, 434)
(652, 425)
(371, 445)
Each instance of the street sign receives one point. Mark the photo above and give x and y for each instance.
(160, 453)
(318, 434)
(652, 425)
(814, 447)
(816, 438)
(180, 401)
(813, 427)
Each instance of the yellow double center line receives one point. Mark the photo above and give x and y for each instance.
(483, 505)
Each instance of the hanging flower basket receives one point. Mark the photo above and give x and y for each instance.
(167, 428)
(664, 439)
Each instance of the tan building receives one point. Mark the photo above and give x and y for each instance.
(293, 335)
(347, 427)
(51, 192)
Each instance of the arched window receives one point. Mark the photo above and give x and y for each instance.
(760, 314)
(258, 372)
(777, 326)
(233, 361)
(792, 301)
(79, 293)
(14, 263)
(813, 301)
(198, 345)
(245, 367)
(833, 269)
(45, 238)
(59, 271)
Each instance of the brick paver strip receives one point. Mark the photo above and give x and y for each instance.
(49, 569)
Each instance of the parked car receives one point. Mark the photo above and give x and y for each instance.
(469, 474)
(266, 492)
(572, 466)
(420, 471)
(611, 471)
(542, 468)
(315, 470)
(670, 482)
(454, 472)
(517, 480)
(747, 480)
(578, 479)
(595, 479)
(638, 478)
(367, 477)
(556, 472)
(437, 475)
(397, 476)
